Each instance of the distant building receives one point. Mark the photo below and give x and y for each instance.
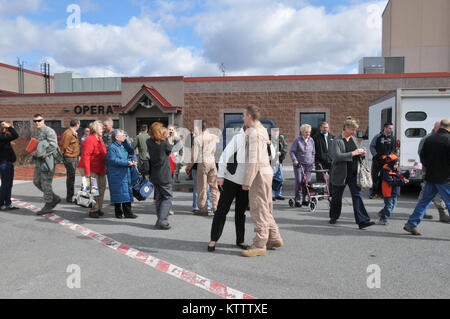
(419, 30)
(68, 82)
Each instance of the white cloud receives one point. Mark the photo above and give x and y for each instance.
(273, 37)
(278, 37)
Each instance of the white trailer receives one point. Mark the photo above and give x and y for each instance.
(413, 113)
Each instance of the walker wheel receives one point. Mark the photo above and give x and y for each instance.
(313, 205)
(291, 203)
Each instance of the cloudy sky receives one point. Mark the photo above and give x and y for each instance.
(191, 37)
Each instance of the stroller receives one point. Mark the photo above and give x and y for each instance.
(314, 191)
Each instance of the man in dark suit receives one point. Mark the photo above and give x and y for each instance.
(322, 142)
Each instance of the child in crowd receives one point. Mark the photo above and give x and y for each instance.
(392, 180)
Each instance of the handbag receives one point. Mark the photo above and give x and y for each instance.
(142, 189)
(364, 177)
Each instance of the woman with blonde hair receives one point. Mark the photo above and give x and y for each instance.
(7, 159)
(93, 163)
(345, 156)
(160, 173)
(302, 154)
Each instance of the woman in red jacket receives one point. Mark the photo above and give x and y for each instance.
(93, 163)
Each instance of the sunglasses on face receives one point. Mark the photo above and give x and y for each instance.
(37, 121)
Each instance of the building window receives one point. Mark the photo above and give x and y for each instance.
(85, 123)
(116, 124)
(232, 117)
(313, 119)
(416, 116)
(415, 132)
(56, 125)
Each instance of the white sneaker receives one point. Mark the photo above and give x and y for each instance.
(171, 212)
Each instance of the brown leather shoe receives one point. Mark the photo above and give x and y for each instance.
(274, 244)
(200, 213)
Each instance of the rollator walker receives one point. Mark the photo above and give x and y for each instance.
(314, 191)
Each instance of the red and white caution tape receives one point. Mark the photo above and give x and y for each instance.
(166, 267)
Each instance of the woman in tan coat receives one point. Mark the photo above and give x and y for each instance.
(258, 180)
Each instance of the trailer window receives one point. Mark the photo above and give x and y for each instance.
(415, 132)
(386, 117)
(416, 116)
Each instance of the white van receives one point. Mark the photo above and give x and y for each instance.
(413, 113)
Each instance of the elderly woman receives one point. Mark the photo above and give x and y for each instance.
(344, 169)
(159, 150)
(302, 154)
(92, 162)
(119, 160)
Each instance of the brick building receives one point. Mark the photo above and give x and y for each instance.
(287, 100)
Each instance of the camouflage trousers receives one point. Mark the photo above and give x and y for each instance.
(43, 181)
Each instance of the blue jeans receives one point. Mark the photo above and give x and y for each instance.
(359, 210)
(7, 178)
(389, 205)
(277, 184)
(194, 199)
(430, 191)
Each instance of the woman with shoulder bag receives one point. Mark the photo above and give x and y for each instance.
(159, 150)
(344, 169)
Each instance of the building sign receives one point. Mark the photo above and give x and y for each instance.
(94, 109)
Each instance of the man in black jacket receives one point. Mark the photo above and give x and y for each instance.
(322, 141)
(382, 144)
(435, 157)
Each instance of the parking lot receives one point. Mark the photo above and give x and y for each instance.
(319, 260)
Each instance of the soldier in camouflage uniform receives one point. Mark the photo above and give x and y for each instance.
(45, 165)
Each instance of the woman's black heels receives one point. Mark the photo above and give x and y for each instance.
(243, 246)
(211, 248)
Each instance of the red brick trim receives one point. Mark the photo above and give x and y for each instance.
(317, 77)
(152, 78)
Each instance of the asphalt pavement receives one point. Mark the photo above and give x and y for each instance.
(318, 260)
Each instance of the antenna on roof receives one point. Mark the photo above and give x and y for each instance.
(21, 79)
(45, 70)
(222, 68)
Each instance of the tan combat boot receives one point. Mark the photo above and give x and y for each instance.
(274, 244)
(253, 252)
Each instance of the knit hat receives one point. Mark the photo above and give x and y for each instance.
(390, 159)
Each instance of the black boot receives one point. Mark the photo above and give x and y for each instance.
(118, 211)
(127, 211)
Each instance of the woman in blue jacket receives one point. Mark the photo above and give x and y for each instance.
(119, 162)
